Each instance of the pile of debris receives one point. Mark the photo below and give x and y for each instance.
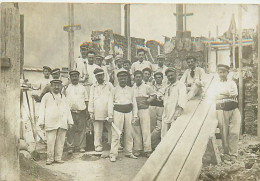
(246, 168)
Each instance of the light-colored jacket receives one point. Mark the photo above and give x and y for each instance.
(54, 114)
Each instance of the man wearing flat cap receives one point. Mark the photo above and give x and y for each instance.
(160, 67)
(193, 78)
(98, 107)
(122, 111)
(144, 95)
(228, 114)
(55, 73)
(142, 62)
(56, 118)
(174, 98)
(77, 98)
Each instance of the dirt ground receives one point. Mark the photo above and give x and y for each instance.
(246, 168)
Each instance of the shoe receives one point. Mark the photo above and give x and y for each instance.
(112, 158)
(70, 151)
(137, 154)
(99, 149)
(131, 156)
(147, 154)
(82, 150)
(49, 162)
(59, 161)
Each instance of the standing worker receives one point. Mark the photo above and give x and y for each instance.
(174, 100)
(122, 111)
(56, 118)
(78, 100)
(98, 107)
(228, 114)
(142, 62)
(142, 133)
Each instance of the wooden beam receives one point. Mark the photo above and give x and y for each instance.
(258, 112)
(10, 93)
(127, 30)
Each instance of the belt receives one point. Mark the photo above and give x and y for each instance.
(156, 103)
(123, 108)
(76, 111)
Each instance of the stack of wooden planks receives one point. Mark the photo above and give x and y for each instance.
(179, 155)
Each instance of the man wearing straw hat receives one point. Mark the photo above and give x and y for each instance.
(56, 118)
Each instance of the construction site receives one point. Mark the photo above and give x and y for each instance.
(32, 37)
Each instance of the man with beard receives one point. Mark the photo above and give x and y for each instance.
(142, 133)
(174, 98)
(78, 100)
(98, 107)
(142, 62)
(122, 111)
(193, 78)
(56, 118)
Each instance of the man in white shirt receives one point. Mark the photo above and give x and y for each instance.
(91, 66)
(193, 78)
(56, 118)
(77, 98)
(99, 60)
(160, 67)
(174, 100)
(144, 94)
(98, 107)
(147, 76)
(142, 62)
(110, 64)
(122, 111)
(119, 64)
(80, 65)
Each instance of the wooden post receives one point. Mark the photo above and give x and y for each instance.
(71, 35)
(240, 101)
(209, 55)
(258, 112)
(10, 93)
(185, 18)
(127, 30)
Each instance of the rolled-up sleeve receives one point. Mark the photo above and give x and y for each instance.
(182, 99)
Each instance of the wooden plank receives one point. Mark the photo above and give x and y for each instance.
(174, 164)
(10, 93)
(155, 163)
(193, 164)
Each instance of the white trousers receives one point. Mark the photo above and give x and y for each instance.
(122, 121)
(55, 143)
(229, 125)
(98, 132)
(142, 133)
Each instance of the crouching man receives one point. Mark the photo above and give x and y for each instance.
(122, 111)
(56, 118)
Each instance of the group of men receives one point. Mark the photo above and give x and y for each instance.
(141, 99)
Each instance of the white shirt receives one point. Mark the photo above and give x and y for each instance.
(54, 112)
(141, 65)
(174, 95)
(157, 68)
(91, 75)
(76, 97)
(122, 96)
(79, 65)
(98, 99)
(199, 75)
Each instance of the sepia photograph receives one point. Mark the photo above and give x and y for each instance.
(95, 91)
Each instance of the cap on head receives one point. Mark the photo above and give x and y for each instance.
(147, 69)
(47, 68)
(138, 72)
(56, 81)
(121, 72)
(91, 52)
(98, 71)
(140, 49)
(158, 73)
(170, 69)
(99, 57)
(73, 72)
(223, 67)
(118, 57)
(161, 56)
(109, 57)
(56, 70)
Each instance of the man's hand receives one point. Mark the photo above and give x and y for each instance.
(178, 112)
(42, 126)
(110, 120)
(70, 126)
